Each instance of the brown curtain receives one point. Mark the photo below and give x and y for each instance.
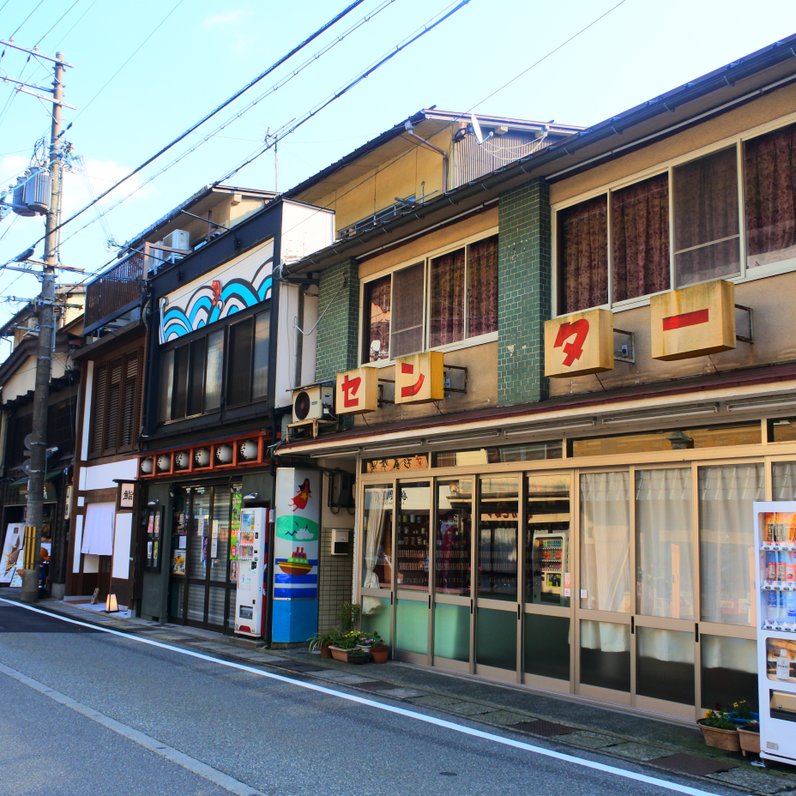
(640, 238)
(447, 299)
(583, 255)
(482, 287)
(706, 218)
(377, 330)
(770, 191)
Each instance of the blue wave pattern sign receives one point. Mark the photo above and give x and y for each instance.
(220, 293)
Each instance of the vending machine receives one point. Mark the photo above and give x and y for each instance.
(775, 559)
(550, 575)
(252, 560)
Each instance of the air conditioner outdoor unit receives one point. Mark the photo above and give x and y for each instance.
(313, 403)
(178, 239)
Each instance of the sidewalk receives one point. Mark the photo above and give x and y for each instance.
(658, 744)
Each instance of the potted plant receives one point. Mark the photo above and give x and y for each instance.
(749, 737)
(347, 643)
(321, 642)
(379, 651)
(720, 731)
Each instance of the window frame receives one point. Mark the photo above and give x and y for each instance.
(425, 260)
(747, 272)
(167, 390)
(107, 425)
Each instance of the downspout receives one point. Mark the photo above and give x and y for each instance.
(409, 128)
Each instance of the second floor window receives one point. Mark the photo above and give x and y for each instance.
(432, 303)
(227, 366)
(616, 246)
(115, 405)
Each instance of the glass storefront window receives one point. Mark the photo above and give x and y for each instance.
(605, 542)
(546, 651)
(547, 572)
(665, 665)
(729, 671)
(664, 547)
(669, 440)
(496, 638)
(375, 617)
(454, 529)
(605, 655)
(528, 452)
(784, 478)
(412, 536)
(377, 537)
(497, 538)
(726, 494)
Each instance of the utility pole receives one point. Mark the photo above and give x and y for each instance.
(46, 316)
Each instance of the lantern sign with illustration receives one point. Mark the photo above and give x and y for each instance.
(297, 530)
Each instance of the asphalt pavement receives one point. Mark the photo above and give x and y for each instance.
(640, 740)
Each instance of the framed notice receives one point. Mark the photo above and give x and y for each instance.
(125, 496)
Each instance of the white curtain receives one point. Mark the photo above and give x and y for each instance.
(98, 531)
(726, 533)
(664, 543)
(605, 551)
(784, 481)
(376, 506)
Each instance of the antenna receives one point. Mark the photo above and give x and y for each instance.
(479, 136)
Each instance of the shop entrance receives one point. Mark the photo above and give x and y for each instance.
(201, 590)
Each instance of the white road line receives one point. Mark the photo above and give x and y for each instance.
(142, 739)
(449, 725)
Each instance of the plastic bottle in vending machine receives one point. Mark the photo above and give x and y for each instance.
(772, 614)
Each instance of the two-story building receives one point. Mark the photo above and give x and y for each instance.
(105, 550)
(565, 383)
(17, 385)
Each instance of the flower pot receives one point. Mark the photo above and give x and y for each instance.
(749, 740)
(719, 738)
(349, 655)
(325, 651)
(380, 654)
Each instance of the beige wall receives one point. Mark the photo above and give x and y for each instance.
(418, 171)
(773, 319)
(657, 156)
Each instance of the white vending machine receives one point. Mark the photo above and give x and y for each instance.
(775, 559)
(252, 559)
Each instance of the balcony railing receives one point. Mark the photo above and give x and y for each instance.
(115, 292)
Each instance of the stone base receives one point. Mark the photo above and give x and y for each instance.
(30, 586)
(57, 590)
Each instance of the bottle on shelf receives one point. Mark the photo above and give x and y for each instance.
(783, 665)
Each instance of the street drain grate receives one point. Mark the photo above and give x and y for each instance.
(545, 729)
(691, 764)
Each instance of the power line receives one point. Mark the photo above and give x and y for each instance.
(55, 24)
(216, 110)
(19, 27)
(136, 51)
(273, 88)
(358, 79)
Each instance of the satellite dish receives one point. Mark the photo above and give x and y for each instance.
(476, 128)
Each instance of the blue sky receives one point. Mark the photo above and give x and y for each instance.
(144, 72)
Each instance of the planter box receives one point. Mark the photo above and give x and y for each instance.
(749, 740)
(349, 656)
(718, 738)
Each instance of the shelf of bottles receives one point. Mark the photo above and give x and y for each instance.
(411, 554)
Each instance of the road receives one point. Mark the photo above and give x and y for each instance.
(86, 711)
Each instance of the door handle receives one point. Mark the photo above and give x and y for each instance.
(632, 625)
(696, 632)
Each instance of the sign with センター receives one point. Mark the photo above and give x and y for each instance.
(578, 344)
